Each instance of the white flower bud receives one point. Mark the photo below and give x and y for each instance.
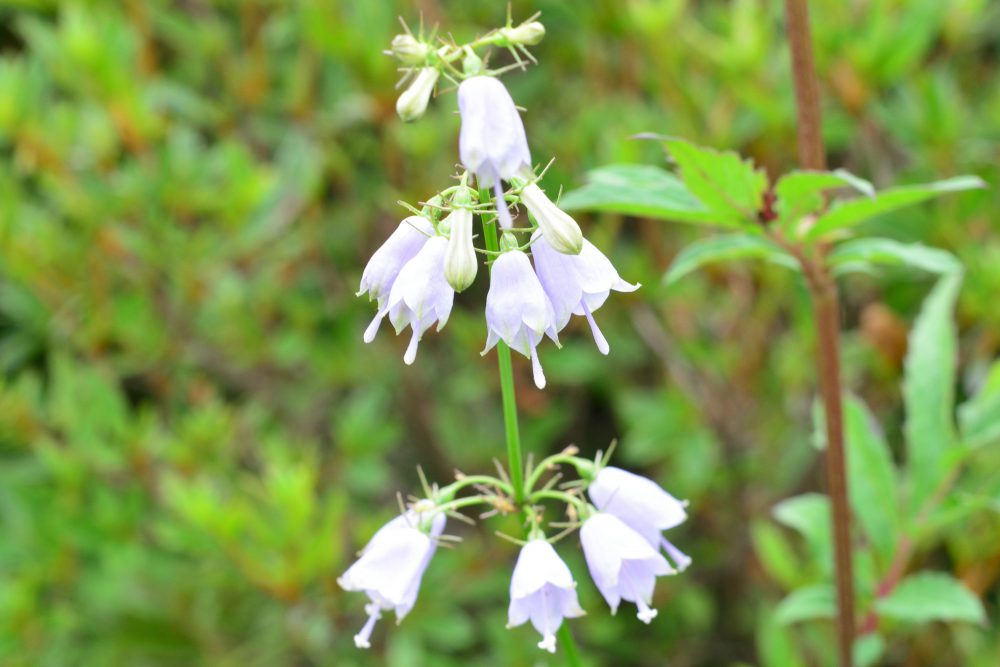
(525, 34)
(408, 50)
(560, 230)
(413, 102)
(460, 265)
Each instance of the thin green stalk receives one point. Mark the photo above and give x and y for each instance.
(514, 460)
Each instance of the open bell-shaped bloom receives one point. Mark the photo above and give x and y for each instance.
(385, 264)
(420, 296)
(517, 310)
(558, 228)
(542, 590)
(577, 284)
(642, 505)
(391, 566)
(412, 104)
(622, 564)
(492, 143)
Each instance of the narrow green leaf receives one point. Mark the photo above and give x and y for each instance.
(801, 192)
(726, 183)
(804, 604)
(864, 252)
(726, 247)
(853, 212)
(929, 391)
(931, 596)
(872, 478)
(642, 190)
(979, 417)
(775, 554)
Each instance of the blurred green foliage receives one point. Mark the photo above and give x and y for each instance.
(194, 440)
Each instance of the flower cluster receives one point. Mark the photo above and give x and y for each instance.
(621, 533)
(541, 273)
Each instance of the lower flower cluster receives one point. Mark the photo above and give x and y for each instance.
(621, 533)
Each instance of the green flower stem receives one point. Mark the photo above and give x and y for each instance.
(448, 492)
(546, 465)
(514, 460)
(581, 507)
(465, 502)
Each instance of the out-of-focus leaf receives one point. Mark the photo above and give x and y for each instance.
(804, 604)
(865, 252)
(726, 247)
(929, 391)
(979, 417)
(640, 190)
(868, 650)
(809, 514)
(931, 596)
(872, 478)
(801, 192)
(850, 213)
(775, 554)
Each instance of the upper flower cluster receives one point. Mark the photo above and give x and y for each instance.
(537, 280)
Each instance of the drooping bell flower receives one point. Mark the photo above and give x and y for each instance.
(460, 265)
(642, 505)
(622, 564)
(517, 310)
(492, 143)
(577, 284)
(412, 104)
(401, 246)
(391, 566)
(558, 228)
(420, 296)
(542, 590)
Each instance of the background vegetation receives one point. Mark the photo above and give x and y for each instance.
(194, 440)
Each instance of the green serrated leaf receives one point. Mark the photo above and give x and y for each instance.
(808, 603)
(873, 478)
(931, 596)
(979, 417)
(929, 391)
(641, 190)
(850, 213)
(801, 192)
(724, 181)
(726, 247)
(866, 252)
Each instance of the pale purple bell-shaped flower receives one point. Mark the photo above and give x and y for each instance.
(517, 310)
(492, 143)
(401, 246)
(542, 590)
(577, 284)
(642, 505)
(390, 567)
(622, 564)
(420, 296)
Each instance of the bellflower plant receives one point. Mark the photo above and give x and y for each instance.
(577, 284)
(542, 590)
(517, 310)
(413, 278)
(642, 505)
(622, 563)
(389, 569)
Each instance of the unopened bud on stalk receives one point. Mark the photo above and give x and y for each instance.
(413, 102)
(460, 265)
(558, 228)
(526, 34)
(409, 50)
